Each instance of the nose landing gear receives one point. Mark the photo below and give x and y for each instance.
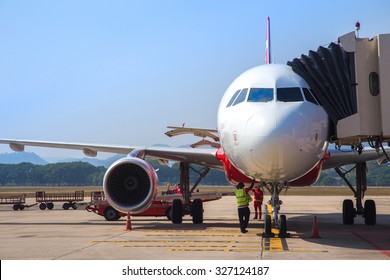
(279, 221)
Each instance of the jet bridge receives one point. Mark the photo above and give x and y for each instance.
(351, 80)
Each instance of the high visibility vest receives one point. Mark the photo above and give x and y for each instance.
(242, 197)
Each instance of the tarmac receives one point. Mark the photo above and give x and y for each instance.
(80, 235)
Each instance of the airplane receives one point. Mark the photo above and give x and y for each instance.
(271, 129)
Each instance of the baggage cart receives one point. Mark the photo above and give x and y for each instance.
(70, 199)
(18, 201)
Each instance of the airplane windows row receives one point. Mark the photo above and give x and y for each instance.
(291, 94)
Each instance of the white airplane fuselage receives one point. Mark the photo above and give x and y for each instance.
(270, 126)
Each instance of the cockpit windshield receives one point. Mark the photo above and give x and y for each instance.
(309, 96)
(233, 98)
(292, 94)
(241, 97)
(261, 95)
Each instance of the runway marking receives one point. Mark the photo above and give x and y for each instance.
(234, 242)
(274, 243)
(191, 235)
(279, 245)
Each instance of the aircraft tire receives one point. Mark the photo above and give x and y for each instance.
(111, 214)
(369, 212)
(177, 211)
(348, 212)
(283, 225)
(168, 213)
(267, 225)
(197, 211)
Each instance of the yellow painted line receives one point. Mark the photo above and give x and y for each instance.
(203, 230)
(273, 244)
(173, 246)
(192, 235)
(163, 241)
(195, 250)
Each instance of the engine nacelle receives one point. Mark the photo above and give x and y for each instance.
(130, 185)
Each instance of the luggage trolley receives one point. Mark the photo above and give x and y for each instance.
(18, 201)
(46, 199)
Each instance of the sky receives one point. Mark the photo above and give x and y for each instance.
(119, 72)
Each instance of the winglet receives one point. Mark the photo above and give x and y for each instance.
(268, 43)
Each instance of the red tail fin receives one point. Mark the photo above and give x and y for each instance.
(268, 43)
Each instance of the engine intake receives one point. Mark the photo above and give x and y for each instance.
(130, 185)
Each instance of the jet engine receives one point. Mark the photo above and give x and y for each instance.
(130, 185)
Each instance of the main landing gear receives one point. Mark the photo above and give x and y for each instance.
(185, 207)
(369, 209)
(280, 221)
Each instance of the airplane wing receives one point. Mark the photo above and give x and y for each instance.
(205, 157)
(340, 157)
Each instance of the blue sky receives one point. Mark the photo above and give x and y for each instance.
(119, 72)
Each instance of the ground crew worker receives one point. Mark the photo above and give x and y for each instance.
(243, 199)
(258, 196)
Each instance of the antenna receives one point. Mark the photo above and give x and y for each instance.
(268, 43)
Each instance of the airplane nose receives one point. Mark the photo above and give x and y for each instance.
(274, 140)
(285, 121)
(262, 124)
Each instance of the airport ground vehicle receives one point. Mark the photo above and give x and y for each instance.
(46, 199)
(161, 206)
(18, 201)
(100, 206)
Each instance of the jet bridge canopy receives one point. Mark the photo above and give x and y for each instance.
(351, 81)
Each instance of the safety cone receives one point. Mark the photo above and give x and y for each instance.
(315, 233)
(128, 222)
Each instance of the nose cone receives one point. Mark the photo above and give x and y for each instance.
(262, 123)
(275, 146)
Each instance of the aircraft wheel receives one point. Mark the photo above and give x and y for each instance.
(369, 212)
(111, 214)
(177, 211)
(50, 206)
(65, 206)
(283, 226)
(168, 213)
(348, 212)
(42, 206)
(267, 225)
(197, 211)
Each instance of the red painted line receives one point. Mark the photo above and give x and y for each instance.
(373, 244)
